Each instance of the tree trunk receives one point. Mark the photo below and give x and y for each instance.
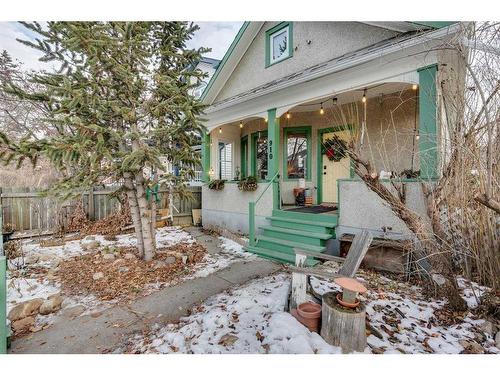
(134, 211)
(343, 327)
(147, 233)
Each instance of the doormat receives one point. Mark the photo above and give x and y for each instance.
(314, 209)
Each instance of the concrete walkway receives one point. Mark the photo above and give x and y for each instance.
(98, 334)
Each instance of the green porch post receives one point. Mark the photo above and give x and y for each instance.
(205, 157)
(3, 289)
(273, 138)
(427, 122)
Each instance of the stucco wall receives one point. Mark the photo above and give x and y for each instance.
(388, 140)
(229, 208)
(328, 40)
(362, 208)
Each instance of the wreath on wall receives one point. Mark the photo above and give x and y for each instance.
(334, 148)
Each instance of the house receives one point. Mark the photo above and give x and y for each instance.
(288, 95)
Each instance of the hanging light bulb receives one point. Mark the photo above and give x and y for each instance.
(364, 96)
(334, 100)
(321, 110)
(265, 119)
(414, 87)
(417, 136)
(220, 130)
(241, 124)
(288, 115)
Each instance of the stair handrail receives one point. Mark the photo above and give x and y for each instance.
(251, 211)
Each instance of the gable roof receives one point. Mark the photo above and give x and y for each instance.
(249, 30)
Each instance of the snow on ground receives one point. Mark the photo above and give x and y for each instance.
(231, 252)
(24, 283)
(251, 319)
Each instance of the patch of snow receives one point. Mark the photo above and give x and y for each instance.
(249, 319)
(231, 252)
(471, 291)
(24, 289)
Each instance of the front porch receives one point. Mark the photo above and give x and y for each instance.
(294, 153)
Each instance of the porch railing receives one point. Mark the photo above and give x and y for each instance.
(251, 211)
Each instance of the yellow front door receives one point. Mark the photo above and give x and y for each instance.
(332, 170)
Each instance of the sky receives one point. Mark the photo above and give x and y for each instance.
(215, 35)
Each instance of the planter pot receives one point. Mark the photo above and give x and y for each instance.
(308, 314)
(346, 304)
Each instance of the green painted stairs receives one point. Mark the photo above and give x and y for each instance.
(288, 230)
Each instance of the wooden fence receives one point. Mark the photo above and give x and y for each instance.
(26, 210)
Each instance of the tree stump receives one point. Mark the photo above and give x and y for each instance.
(342, 326)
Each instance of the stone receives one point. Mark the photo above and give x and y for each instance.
(73, 312)
(130, 256)
(97, 276)
(184, 259)
(47, 257)
(90, 245)
(497, 340)
(488, 328)
(123, 269)
(23, 325)
(25, 309)
(51, 305)
(471, 347)
(170, 260)
(119, 262)
(31, 259)
(108, 256)
(90, 238)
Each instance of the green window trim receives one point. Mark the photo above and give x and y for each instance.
(319, 159)
(272, 31)
(297, 129)
(244, 156)
(253, 153)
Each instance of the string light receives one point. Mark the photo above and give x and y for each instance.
(414, 87)
(288, 115)
(265, 119)
(241, 124)
(321, 110)
(334, 100)
(220, 130)
(364, 96)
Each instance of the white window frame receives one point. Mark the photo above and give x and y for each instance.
(286, 54)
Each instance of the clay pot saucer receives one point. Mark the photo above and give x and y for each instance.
(350, 289)
(350, 284)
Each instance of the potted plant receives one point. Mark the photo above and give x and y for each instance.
(248, 184)
(216, 184)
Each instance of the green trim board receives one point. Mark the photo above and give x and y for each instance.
(253, 153)
(307, 130)
(273, 142)
(244, 156)
(205, 157)
(272, 31)
(224, 59)
(427, 121)
(434, 24)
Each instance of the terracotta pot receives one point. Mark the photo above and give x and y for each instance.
(308, 314)
(346, 304)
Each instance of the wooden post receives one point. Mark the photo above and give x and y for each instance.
(299, 283)
(341, 326)
(91, 204)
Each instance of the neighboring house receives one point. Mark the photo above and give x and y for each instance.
(281, 93)
(209, 66)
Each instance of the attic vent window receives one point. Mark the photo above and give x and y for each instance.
(279, 42)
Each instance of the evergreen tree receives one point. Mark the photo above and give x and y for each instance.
(119, 102)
